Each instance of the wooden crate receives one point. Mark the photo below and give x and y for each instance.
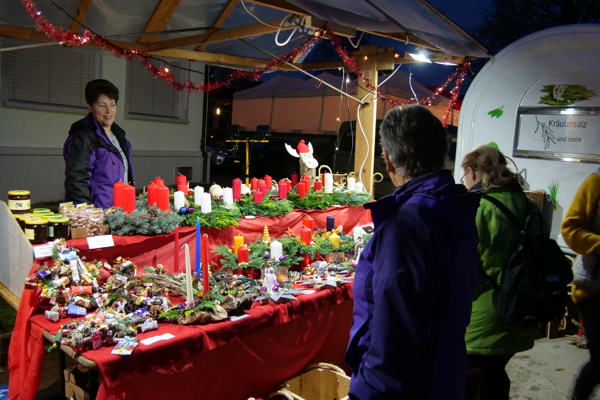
(318, 382)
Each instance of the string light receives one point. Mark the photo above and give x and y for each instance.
(69, 39)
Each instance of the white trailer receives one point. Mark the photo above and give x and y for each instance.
(539, 101)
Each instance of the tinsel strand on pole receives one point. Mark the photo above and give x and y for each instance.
(69, 39)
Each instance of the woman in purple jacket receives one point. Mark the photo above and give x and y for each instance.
(414, 281)
(96, 153)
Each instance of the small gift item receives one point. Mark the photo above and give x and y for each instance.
(149, 325)
(125, 347)
(76, 310)
(52, 315)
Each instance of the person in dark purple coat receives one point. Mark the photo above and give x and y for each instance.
(415, 278)
(96, 153)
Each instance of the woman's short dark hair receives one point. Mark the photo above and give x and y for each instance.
(415, 139)
(98, 87)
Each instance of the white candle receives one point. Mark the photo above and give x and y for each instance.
(328, 183)
(198, 190)
(178, 200)
(351, 183)
(205, 203)
(357, 233)
(189, 293)
(359, 187)
(228, 196)
(276, 250)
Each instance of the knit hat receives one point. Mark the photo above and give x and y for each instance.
(302, 148)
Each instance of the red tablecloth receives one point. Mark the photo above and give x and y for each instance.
(225, 360)
(152, 250)
(228, 360)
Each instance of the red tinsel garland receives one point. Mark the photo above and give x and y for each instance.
(69, 39)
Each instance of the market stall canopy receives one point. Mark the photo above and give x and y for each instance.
(291, 105)
(233, 32)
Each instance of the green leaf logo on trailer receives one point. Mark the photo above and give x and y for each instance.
(496, 113)
(565, 95)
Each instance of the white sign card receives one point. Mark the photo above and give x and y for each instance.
(100, 242)
(43, 251)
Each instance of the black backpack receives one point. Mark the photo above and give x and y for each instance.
(534, 286)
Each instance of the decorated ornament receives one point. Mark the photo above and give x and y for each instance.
(308, 163)
(183, 210)
(190, 210)
(216, 191)
(266, 238)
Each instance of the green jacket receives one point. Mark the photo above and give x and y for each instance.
(487, 333)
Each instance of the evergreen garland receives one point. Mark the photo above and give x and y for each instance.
(350, 198)
(221, 216)
(143, 221)
(269, 207)
(312, 201)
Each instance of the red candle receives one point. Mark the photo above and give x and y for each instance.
(236, 186)
(263, 189)
(305, 178)
(176, 251)
(243, 254)
(261, 182)
(181, 181)
(268, 182)
(128, 198)
(253, 184)
(162, 197)
(301, 189)
(323, 177)
(318, 186)
(159, 181)
(118, 194)
(305, 262)
(258, 196)
(152, 199)
(306, 235)
(282, 189)
(308, 222)
(294, 179)
(205, 272)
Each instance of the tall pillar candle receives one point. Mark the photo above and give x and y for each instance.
(335, 240)
(253, 184)
(237, 242)
(357, 232)
(198, 190)
(268, 182)
(300, 189)
(261, 182)
(205, 203)
(228, 196)
(359, 187)
(328, 183)
(258, 196)
(351, 183)
(118, 194)
(189, 293)
(178, 200)
(330, 223)
(306, 235)
(162, 197)
(152, 197)
(159, 181)
(282, 189)
(128, 198)
(243, 254)
(181, 182)
(308, 222)
(176, 252)
(276, 250)
(294, 179)
(318, 185)
(263, 189)
(236, 186)
(198, 253)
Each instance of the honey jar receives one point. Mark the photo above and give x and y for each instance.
(58, 228)
(36, 230)
(19, 201)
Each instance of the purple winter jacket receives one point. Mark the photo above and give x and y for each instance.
(92, 164)
(413, 291)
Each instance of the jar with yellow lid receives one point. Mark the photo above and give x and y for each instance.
(36, 230)
(44, 213)
(19, 201)
(58, 228)
(21, 219)
(39, 210)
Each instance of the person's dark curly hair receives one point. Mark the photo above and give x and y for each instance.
(415, 139)
(98, 87)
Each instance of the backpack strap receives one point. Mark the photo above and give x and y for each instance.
(513, 219)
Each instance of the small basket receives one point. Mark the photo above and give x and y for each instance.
(320, 381)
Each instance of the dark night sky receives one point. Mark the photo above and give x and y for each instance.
(465, 13)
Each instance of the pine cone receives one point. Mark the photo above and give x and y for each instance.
(155, 311)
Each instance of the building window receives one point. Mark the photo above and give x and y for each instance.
(48, 78)
(152, 98)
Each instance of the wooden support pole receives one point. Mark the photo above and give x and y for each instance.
(365, 130)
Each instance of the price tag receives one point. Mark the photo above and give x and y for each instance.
(43, 251)
(100, 242)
